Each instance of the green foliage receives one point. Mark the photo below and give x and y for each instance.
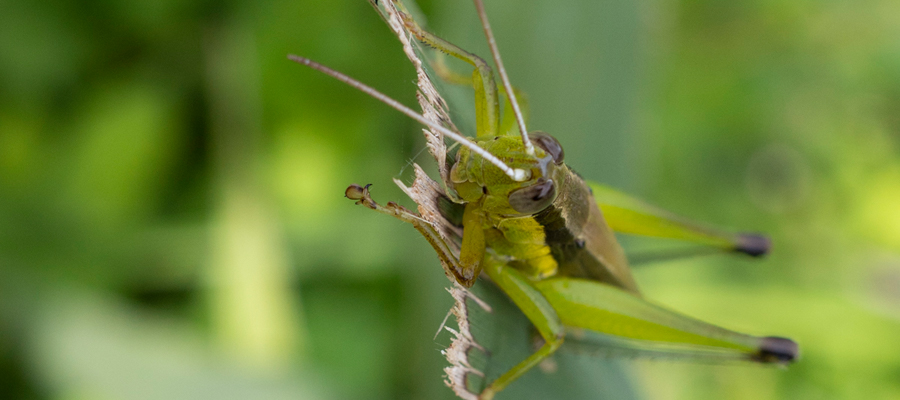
(144, 148)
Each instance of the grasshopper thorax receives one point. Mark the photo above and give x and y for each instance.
(476, 180)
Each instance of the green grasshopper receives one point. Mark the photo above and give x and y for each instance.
(512, 210)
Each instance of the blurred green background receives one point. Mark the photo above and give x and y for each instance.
(172, 222)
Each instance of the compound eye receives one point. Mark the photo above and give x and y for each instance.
(533, 199)
(549, 144)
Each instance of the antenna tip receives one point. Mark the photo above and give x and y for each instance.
(777, 350)
(753, 244)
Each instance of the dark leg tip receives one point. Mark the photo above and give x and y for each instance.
(753, 244)
(778, 350)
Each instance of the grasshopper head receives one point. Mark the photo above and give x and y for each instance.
(476, 180)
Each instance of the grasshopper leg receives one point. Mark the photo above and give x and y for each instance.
(609, 310)
(487, 109)
(464, 269)
(445, 254)
(508, 120)
(473, 246)
(536, 308)
(519, 289)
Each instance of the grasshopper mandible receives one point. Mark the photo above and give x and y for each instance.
(511, 209)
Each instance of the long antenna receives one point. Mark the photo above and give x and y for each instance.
(510, 95)
(516, 174)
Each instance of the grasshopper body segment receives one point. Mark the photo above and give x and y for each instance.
(546, 226)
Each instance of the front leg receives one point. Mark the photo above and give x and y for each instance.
(487, 107)
(536, 308)
(519, 289)
(472, 251)
(445, 254)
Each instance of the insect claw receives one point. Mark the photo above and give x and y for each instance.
(356, 192)
(361, 195)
